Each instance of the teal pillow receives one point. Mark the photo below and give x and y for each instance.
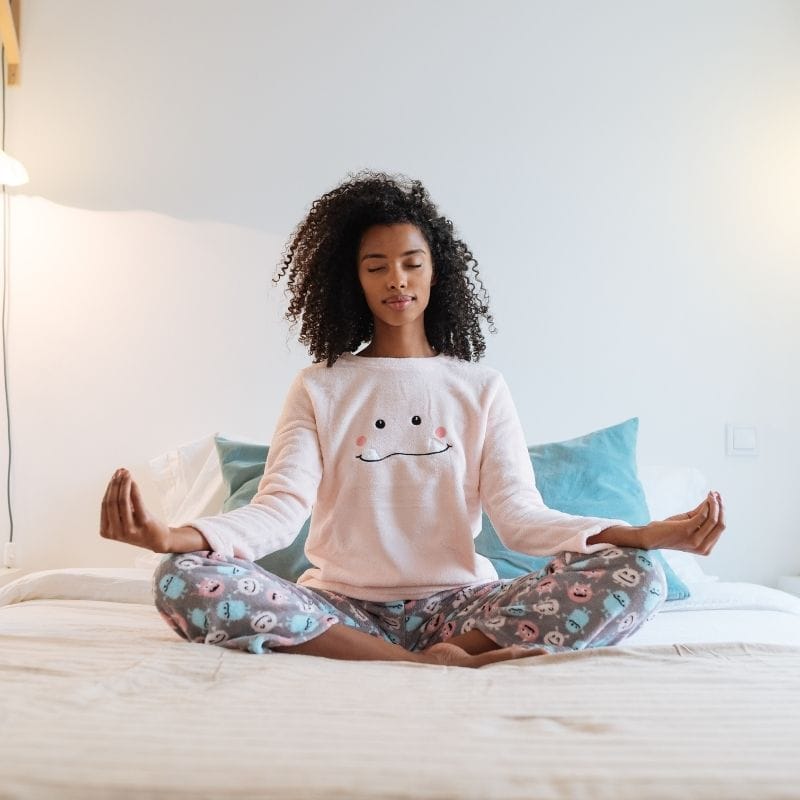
(592, 476)
(242, 469)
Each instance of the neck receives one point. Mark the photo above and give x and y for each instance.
(398, 343)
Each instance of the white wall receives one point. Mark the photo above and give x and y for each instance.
(627, 174)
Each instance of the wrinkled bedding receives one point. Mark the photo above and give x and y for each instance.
(99, 699)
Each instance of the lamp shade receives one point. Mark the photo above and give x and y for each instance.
(12, 173)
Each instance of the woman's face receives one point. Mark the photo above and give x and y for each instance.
(396, 273)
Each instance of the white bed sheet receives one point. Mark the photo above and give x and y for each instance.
(99, 699)
(725, 612)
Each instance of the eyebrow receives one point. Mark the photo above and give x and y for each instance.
(381, 255)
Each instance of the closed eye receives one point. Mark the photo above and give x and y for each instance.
(408, 266)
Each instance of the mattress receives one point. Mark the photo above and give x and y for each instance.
(99, 699)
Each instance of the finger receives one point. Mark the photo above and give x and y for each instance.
(710, 523)
(702, 506)
(698, 513)
(104, 529)
(691, 532)
(116, 506)
(110, 514)
(701, 514)
(709, 543)
(139, 511)
(713, 537)
(125, 510)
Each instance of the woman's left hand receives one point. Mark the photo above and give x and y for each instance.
(695, 531)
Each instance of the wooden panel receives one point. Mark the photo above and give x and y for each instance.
(9, 31)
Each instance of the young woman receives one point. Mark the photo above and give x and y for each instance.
(397, 448)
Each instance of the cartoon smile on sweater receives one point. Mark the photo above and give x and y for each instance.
(409, 430)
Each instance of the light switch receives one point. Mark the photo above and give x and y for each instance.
(742, 440)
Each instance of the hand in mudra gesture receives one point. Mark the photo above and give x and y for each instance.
(695, 531)
(123, 516)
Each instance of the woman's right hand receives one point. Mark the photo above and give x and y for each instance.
(123, 516)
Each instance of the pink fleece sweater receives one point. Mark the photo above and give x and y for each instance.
(397, 456)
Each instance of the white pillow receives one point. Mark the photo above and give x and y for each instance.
(113, 584)
(190, 484)
(672, 490)
(189, 479)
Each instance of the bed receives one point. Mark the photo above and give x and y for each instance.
(99, 699)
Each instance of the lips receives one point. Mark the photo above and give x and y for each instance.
(399, 302)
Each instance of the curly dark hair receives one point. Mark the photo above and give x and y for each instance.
(321, 259)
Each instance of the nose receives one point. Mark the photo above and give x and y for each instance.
(397, 279)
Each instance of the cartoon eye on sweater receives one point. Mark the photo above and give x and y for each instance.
(434, 445)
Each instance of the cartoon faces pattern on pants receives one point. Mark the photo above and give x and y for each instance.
(546, 608)
(188, 562)
(231, 610)
(580, 592)
(645, 561)
(448, 629)
(217, 600)
(616, 602)
(199, 618)
(577, 620)
(555, 638)
(577, 601)
(627, 622)
(570, 604)
(527, 631)
(263, 621)
(654, 596)
(172, 586)
(546, 586)
(248, 586)
(211, 587)
(627, 577)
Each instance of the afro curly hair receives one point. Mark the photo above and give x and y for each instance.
(321, 260)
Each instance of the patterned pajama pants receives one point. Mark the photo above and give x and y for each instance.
(577, 601)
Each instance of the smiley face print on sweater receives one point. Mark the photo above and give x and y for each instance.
(398, 435)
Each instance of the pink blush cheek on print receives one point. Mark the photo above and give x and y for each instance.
(440, 432)
(361, 441)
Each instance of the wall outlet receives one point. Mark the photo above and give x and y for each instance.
(9, 555)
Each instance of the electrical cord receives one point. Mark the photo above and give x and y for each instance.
(5, 274)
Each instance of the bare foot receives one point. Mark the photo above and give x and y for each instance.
(451, 655)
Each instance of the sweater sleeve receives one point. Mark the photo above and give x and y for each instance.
(510, 497)
(286, 492)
